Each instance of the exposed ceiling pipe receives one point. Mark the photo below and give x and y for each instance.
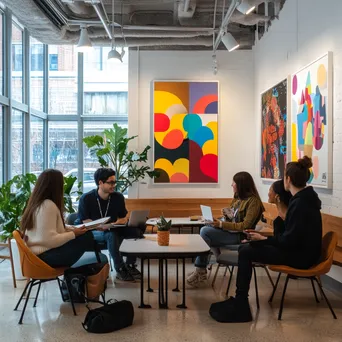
(103, 21)
(186, 5)
(135, 42)
(225, 22)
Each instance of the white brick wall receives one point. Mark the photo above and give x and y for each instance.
(296, 39)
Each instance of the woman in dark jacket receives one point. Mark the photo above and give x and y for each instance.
(299, 246)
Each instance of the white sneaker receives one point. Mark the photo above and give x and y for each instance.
(198, 278)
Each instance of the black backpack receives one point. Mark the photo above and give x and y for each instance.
(110, 317)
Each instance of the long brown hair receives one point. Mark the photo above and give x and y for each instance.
(245, 186)
(49, 185)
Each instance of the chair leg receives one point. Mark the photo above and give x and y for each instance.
(314, 290)
(320, 282)
(22, 295)
(274, 289)
(71, 300)
(268, 275)
(214, 279)
(35, 301)
(230, 279)
(27, 298)
(282, 299)
(256, 288)
(225, 271)
(326, 299)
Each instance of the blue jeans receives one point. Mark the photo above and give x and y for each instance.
(216, 238)
(113, 239)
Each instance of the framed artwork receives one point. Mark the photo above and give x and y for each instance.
(274, 131)
(185, 127)
(311, 118)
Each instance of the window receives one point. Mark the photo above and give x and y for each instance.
(37, 74)
(63, 148)
(62, 79)
(1, 146)
(17, 63)
(17, 143)
(1, 55)
(37, 145)
(104, 103)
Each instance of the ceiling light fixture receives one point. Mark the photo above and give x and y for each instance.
(246, 7)
(84, 44)
(229, 42)
(113, 54)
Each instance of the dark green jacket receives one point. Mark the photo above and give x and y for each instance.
(248, 215)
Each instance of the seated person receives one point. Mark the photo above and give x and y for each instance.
(245, 212)
(299, 246)
(102, 202)
(43, 228)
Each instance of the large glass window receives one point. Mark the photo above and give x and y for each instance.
(63, 148)
(17, 143)
(105, 84)
(37, 145)
(62, 79)
(1, 55)
(1, 145)
(36, 74)
(17, 63)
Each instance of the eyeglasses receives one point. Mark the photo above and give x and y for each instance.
(111, 183)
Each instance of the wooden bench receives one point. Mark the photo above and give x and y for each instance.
(185, 207)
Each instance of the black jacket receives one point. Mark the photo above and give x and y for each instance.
(302, 237)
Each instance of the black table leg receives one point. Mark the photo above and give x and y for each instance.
(177, 288)
(183, 306)
(161, 294)
(149, 289)
(142, 304)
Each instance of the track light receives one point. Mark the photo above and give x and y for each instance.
(114, 55)
(84, 44)
(246, 7)
(229, 42)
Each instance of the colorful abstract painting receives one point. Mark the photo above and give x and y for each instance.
(311, 119)
(273, 131)
(185, 131)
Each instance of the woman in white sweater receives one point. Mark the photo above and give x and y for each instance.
(43, 225)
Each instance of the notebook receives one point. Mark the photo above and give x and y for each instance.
(93, 224)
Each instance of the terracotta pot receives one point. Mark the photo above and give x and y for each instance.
(163, 238)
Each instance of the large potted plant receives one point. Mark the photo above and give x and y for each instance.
(163, 231)
(14, 196)
(111, 150)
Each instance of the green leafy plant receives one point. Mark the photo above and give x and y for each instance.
(111, 150)
(163, 225)
(14, 196)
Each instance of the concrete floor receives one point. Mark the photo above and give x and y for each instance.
(52, 320)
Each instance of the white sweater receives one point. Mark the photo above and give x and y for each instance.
(48, 230)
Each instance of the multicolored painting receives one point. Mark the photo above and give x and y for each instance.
(311, 119)
(185, 131)
(273, 131)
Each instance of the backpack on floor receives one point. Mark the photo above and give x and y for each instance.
(110, 317)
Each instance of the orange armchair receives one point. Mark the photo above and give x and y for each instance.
(329, 244)
(37, 272)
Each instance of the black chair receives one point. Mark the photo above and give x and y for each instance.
(229, 259)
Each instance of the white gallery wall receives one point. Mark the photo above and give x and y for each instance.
(237, 131)
(305, 31)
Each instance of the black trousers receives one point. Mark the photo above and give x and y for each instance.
(265, 254)
(67, 254)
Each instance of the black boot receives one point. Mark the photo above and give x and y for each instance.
(232, 310)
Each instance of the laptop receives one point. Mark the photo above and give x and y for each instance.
(207, 213)
(137, 218)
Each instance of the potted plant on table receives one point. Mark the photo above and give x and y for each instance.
(163, 231)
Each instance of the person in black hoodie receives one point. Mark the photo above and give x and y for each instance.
(299, 246)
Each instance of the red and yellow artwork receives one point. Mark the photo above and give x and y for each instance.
(185, 131)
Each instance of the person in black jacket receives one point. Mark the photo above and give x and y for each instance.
(299, 246)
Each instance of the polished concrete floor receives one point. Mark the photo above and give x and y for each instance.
(52, 320)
